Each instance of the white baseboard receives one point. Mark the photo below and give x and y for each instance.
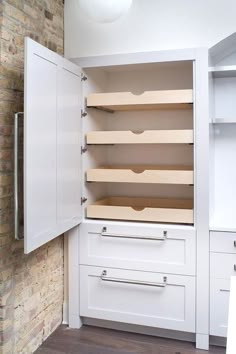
(158, 332)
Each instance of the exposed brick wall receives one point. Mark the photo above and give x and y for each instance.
(31, 287)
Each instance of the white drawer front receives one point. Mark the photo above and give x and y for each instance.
(149, 249)
(219, 303)
(138, 297)
(223, 265)
(224, 242)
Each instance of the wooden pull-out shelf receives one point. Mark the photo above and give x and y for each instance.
(142, 174)
(143, 209)
(149, 100)
(145, 137)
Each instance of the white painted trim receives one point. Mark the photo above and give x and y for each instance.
(150, 331)
(65, 317)
(73, 278)
(231, 339)
(202, 341)
(202, 197)
(135, 58)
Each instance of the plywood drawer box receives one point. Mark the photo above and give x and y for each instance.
(223, 265)
(149, 100)
(184, 136)
(141, 298)
(143, 209)
(148, 248)
(142, 174)
(219, 304)
(224, 242)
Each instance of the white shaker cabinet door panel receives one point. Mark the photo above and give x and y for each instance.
(39, 148)
(148, 248)
(68, 147)
(141, 298)
(219, 304)
(51, 145)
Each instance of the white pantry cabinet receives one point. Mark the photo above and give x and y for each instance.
(116, 156)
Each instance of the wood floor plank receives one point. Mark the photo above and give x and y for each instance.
(94, 340)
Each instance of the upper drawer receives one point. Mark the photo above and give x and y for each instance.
(149, 248)
(224, 242)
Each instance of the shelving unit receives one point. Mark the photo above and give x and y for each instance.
(169, 210)
(143, 209)
(140, 137)
(142, 174)
(150, 100)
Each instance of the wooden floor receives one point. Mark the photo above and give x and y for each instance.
(93, 340)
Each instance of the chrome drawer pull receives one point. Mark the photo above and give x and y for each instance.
(234, 243)
(235, 267)
(104, 233)
(136, 282)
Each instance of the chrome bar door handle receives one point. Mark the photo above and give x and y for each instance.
(104, 233)
(234, 243)
(16, 176)
(104, 277)
(235, 267)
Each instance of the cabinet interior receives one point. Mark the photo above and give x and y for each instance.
(134, 158)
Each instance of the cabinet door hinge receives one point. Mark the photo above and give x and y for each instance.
(83, 114)
(83, 200)
(83, 77)
(83, 149)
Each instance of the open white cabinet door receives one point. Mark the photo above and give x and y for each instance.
(52, 132)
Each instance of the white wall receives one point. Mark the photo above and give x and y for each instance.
(150, 25)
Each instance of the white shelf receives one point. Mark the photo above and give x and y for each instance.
(229, 120)
(223, 71)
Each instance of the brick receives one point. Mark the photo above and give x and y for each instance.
(31, 286)
(48, 15)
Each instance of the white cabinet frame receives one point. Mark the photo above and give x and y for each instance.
(201, 179)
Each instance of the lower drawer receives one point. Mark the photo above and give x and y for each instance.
(142, 298)
(149, 248)
(223, 265)
(219, 303)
